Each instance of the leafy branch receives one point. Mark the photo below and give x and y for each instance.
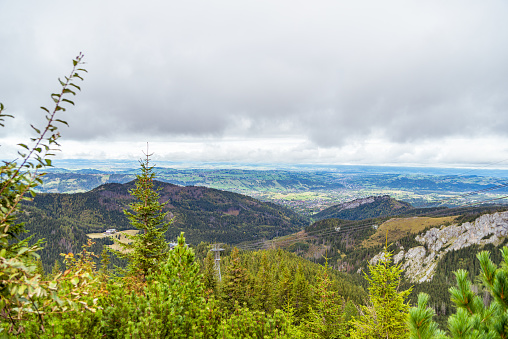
(21, 290)
(23, 178)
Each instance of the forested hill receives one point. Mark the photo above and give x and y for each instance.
(365, 208)
(204, 214)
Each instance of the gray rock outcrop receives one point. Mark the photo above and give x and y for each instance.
(419, 263)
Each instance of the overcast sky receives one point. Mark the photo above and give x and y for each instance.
(341, 82)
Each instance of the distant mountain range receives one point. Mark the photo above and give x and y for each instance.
(204, 214)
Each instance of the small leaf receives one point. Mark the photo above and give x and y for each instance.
(23, 145)
(61, 82)
(44, 108)
(63, 122)
(37, 130)
(21, 289)
(79, 88)
(69, 101)
(75, 62)
(82, 69)
(76, 75)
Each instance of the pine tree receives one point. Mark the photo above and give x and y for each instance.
(263, 287)
(473, 319)
(174, 295)
(105, 260)
(209, 274)
(326, 318)
(300, 294)
(236, 287)
(285, 288)
(148, 248)
(386, 315)
(421, 325)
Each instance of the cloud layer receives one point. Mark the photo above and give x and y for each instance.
(336, 75)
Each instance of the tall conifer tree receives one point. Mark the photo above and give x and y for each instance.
(285, 287)
(236, 285)
(300, 293)
(326, 316)
(148, 247)
(386, 315)
(263, 287)
(209, 274)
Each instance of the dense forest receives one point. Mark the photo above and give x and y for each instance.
(204, 214)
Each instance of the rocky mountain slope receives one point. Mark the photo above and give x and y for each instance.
(420, 262)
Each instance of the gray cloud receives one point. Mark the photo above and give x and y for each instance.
(331, 72)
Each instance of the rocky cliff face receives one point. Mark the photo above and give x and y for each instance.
(420, 262)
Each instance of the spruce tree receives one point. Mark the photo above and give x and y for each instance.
(300, 293)
(263, 287)
(209, 274)
(386, 315)
(148, 248)
(285, 288)
(236, 286)
(326, 316)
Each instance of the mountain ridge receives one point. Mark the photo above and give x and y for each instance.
(204, 214)
(365, 208)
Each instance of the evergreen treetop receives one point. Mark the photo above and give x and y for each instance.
(148, 247)
(387, 313)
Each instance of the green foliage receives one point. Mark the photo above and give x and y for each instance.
(263, 287)
(200, 212)
(301, 294)
(209, 274)
(285, 287)
(245, 323)
(385, 317)
(421, 325)
(236, 286)
(148, 248)
(23, 294)
(326, 316)
(174, 298)
(476, 316)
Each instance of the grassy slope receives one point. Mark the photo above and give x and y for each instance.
(398, 228)
(120, 236)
